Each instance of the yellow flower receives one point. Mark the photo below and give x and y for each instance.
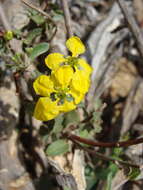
(8, 35)
(63, 75)
(43, 85)
(67, 84)
(46, 109)
(75, 46)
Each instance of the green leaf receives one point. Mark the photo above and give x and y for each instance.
(67, 188)
(134, 172)
(102, 173)
(32, 34)
(109, 181)
(38, 19)
(84, 133)
(117, 151)
(58, 147)
(97, 104)
(39, 49)
(58, 126)
(71, 117)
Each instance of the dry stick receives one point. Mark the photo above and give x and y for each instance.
(133, 26)
(102, 144)
(106, 158)
(67, 17)
(43, 13)
(3, 18)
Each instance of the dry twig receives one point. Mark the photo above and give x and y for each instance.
(67, 17)
(4, 19)
(133, 26)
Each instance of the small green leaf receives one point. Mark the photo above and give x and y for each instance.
(38, 19)
(84, 133)
(58, 147)
(39, 49)
(32, 34)
(71, 117)
(58, 126)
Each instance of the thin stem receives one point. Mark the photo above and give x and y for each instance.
(103, 144)
(106, 158)
(67, 17)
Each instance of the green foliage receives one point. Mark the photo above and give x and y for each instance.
(111, 172)
(32, 35)
(58, 125)
(36, 17)
(58, 147)
(39, 49)
(91, 178)
(71, 118)
(67, 188)
(134, 173)
(96, 118)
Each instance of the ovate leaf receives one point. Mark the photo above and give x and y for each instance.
(39, 49)
(58, 147)
(38, 19)
(71, 118)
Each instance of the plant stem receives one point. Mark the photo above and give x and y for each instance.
(106, 158)
(103, 144)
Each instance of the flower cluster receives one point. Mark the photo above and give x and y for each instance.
(67, 84)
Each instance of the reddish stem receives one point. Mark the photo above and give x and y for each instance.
(103, 144)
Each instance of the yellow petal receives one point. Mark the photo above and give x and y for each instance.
(75, 45)
(84, 66)
(43, 85)
(80, 82)
(63, 75)
(46, 109)
(78, 97)
(67, 106)
(54, 60)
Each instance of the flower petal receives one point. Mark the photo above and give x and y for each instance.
(63, 75)
(84, 66)
(80, 82)
(75, 45)
(46, 109)
(43, 85)
(54, 60)
(67, 106)
(78, 97)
